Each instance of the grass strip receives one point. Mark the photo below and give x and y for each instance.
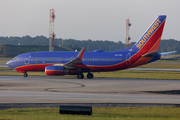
(114, 113)
(165, 75)
(5, 68)
(3, 61)
(14, 73)
(162, 65)
(140, 74)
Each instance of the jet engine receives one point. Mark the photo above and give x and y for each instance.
(54, 70)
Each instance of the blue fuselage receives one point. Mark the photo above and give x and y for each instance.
(96, 61)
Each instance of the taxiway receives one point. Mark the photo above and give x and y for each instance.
(33, 89)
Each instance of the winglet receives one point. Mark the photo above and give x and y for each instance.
(81, 53)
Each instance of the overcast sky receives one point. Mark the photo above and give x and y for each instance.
(88, 19)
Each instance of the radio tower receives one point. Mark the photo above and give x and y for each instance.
(128, 24)
(51, 30)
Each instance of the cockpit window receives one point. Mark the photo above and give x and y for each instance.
(16, 58)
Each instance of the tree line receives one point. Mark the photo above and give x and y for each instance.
(165, 45)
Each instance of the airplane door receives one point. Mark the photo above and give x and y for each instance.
(128, 60)
(26, 61)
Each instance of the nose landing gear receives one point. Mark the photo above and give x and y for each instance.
(25, 74)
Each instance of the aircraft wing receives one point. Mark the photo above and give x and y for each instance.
(167, 53)
(77, 62)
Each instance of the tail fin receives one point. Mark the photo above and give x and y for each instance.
(150, 40)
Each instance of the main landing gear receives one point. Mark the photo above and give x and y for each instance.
(90, 75)
(81, 76)
(25, 74)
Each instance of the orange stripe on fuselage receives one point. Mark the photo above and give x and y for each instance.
(33, 67)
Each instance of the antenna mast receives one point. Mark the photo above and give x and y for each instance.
(51, 30)
(128, 24)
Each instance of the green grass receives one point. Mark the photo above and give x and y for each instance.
(140, 74)
(116, 74)
(14, 73)
(115, 113)
(167, 60)
(5, 68)
(3, 61)
(162, 65)
(6, 58)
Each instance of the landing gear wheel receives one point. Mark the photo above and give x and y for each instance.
(90, 75)
(25, 74)
(80, 76)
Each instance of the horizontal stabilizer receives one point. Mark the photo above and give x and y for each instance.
(167, 53)
(152, 54)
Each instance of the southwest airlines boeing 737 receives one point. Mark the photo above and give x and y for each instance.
(76, 63)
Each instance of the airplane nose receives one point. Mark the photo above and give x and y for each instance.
(9, 63)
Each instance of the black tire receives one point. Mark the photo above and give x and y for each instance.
(25, 74)
(80, 76)
(90, 75)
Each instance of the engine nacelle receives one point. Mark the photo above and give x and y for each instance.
(54, 70)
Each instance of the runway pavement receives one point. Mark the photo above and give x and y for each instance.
(17, 89)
